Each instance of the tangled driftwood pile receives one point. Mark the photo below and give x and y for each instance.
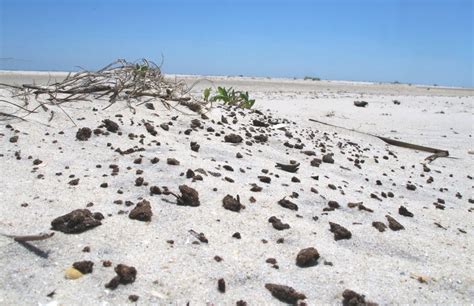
(134, 83)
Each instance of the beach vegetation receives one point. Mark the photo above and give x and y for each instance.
(229, 96)
(306, 78)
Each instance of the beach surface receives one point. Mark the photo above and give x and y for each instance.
(46, 172)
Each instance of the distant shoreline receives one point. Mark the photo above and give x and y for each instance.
(244, 77)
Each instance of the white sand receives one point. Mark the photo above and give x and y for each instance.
(379, 265)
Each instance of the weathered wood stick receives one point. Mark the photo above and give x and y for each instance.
(402, 144)
(30, 237)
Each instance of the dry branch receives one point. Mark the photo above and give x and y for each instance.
(436, 152)
(29, 237)
(119, 81)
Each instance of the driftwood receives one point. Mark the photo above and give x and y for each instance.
(24, 242)
(118, 81)
(436, 152)
(30, 237)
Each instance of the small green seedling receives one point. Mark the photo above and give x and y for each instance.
(206, 94)
(246, 101)
(141, 70)
(229, 96)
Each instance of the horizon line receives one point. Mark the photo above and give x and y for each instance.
(301, 78)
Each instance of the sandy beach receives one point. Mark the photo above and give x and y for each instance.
(348, 188)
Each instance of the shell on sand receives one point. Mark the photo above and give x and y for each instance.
(72, 273)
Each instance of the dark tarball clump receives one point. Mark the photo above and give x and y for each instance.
(231, 203)
(284, 293)
(307, 257)
(77, 221)
(142, 211)
(189, 196)
(84, 267)
(233, 138)
(83, 134)
(339, 231)
(110, 125)
(125, 275)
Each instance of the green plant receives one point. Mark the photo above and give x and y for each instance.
(141, 70)
(225, 95)
(206, 94)
(312, 78)
(229, 96)
(246, 101)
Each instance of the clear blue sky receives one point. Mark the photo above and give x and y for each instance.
(386, 40)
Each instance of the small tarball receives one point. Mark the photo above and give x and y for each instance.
(72, 273)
